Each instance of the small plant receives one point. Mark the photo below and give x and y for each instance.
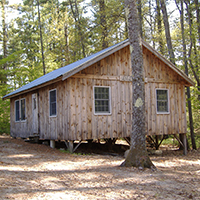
(64, 151)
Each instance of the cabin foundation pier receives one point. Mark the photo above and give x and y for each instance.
(52, 144)
(182, 143)
(70, 145)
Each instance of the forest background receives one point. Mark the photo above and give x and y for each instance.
(39, 36)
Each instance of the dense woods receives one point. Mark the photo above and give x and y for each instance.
(38, 36)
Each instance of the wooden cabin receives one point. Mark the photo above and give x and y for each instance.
(91, 98)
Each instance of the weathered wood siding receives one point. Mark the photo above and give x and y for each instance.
(75, 118)
(159, 75)
(21, 129)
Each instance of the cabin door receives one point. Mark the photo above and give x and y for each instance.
(35, 113)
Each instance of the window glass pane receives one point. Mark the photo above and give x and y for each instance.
(34, 103)
(16, 110)
(101, 100)
(52, 102)
(162, 100)
(23, 111)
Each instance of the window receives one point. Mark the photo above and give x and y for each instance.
(17, 118)
(34, 103)
(52, 102)
(23, 109)
(102, 100)
(20, 110)
(162, 101)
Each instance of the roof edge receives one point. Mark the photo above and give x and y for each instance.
(169, 63)
(100, 55)
(95, 59)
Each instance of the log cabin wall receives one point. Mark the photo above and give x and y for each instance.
(75, 119)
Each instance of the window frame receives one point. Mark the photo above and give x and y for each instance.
(168, 105)
(109, 101)
(54, 115)
(20, 110)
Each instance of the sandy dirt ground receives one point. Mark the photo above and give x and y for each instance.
(36, 171)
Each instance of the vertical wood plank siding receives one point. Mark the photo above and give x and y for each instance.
(75, 119)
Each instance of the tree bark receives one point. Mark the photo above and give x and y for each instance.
(167, 31)
(137, 155)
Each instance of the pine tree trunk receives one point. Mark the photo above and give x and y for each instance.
(103, 24)
(41, 39)
(139, 2)
(167, 31)
(4, 77)
(159, 25)
(78, 25)
(197, 5)
(137, 155)
(195, 75)
(181, 10)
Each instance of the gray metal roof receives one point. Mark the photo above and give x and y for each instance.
(62, 71)
(71, 69)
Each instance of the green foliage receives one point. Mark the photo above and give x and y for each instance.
(77, 28)
(4, 111)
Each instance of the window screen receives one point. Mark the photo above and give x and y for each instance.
(102, 99)
(23, 111)
(17, 118)
(20, 110)
(52, 102)
(162, 101)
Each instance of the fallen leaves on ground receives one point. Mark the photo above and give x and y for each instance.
(35, 171)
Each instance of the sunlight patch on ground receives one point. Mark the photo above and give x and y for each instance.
(176, 163)
(21, 156)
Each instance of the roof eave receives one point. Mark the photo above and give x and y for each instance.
(32, 89)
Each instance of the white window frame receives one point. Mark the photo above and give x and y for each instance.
(166, 112)
(110, 108)
(50, 104)
(20, 111)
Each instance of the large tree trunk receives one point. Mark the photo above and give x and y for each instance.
(137, 155)
(167, 31)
